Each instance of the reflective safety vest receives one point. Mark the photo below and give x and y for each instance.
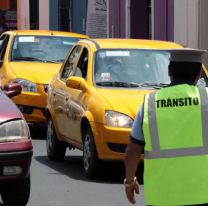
(175, 126)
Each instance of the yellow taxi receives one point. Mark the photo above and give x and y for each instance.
(31, 58)
(94, 98)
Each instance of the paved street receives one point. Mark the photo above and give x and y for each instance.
(64, 184)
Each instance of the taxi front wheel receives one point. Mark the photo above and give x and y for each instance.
(55, 149)
(90, 158)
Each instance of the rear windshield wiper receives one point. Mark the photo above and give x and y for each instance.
(33, 59)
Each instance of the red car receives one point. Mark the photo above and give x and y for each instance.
(15, 150)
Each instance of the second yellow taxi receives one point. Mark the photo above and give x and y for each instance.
(31, 58)
(93, 100)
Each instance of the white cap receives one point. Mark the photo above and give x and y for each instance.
(186, 55)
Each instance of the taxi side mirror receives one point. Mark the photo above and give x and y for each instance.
(76, 83)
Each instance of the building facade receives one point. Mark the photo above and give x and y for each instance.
(8, 15)
(182, 21)
(62, 15)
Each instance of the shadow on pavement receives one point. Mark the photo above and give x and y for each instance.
(109, 172)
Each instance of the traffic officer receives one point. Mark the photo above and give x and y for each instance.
(171, 127)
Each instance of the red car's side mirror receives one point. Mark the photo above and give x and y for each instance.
(12, 89)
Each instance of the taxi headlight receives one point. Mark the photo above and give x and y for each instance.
(27, 85)
(14, 131)
(116, 119)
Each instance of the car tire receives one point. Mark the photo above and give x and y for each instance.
(91, 162)
(16, 192)
(56, 149)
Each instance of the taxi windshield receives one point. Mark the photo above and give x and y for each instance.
(131, 68)
(41, 48)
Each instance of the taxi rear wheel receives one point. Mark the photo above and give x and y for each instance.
(16, 192)
(56, 149)
(90, 158)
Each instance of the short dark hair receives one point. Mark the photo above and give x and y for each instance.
(185, 71)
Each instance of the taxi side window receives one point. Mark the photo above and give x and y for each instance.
(4, 39)
(82, 65)
(69, 64)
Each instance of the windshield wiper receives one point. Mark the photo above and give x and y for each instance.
(132, 84)
(153, 85)
(117, 84)
(48, 60)
(33, 59)
(59, 60)
(27, 58)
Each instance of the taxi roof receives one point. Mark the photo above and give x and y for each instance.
(131, 44)
(46, 33)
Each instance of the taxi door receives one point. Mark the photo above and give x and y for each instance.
(60, 91)
(75, 101)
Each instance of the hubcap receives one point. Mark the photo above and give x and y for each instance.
(87, 153)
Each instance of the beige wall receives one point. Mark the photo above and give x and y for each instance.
(23, 14)
(186, 22)
(203, 28)
(203, 24)
(191, 24)
(44, 14)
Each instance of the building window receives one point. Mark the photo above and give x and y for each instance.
(140, 15)
(8, 15)
(150, 18)
(13, 5)
(34, 14)
(64, 13)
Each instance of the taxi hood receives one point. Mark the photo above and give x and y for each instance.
(125, 101)
(40, 73)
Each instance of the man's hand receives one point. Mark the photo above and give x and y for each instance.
(130, 192)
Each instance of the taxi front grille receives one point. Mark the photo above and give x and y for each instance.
(45, 86)
(29, 109)
(26, 109)
(117, 147)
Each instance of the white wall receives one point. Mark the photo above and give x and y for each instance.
(203, 24)
(44, 14)
(191, 24)
(186, 22)
(25, 15)
(203, 28)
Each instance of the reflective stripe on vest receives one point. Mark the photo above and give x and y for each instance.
(156, 151)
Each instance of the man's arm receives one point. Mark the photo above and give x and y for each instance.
(131, 163)
(133, 152)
